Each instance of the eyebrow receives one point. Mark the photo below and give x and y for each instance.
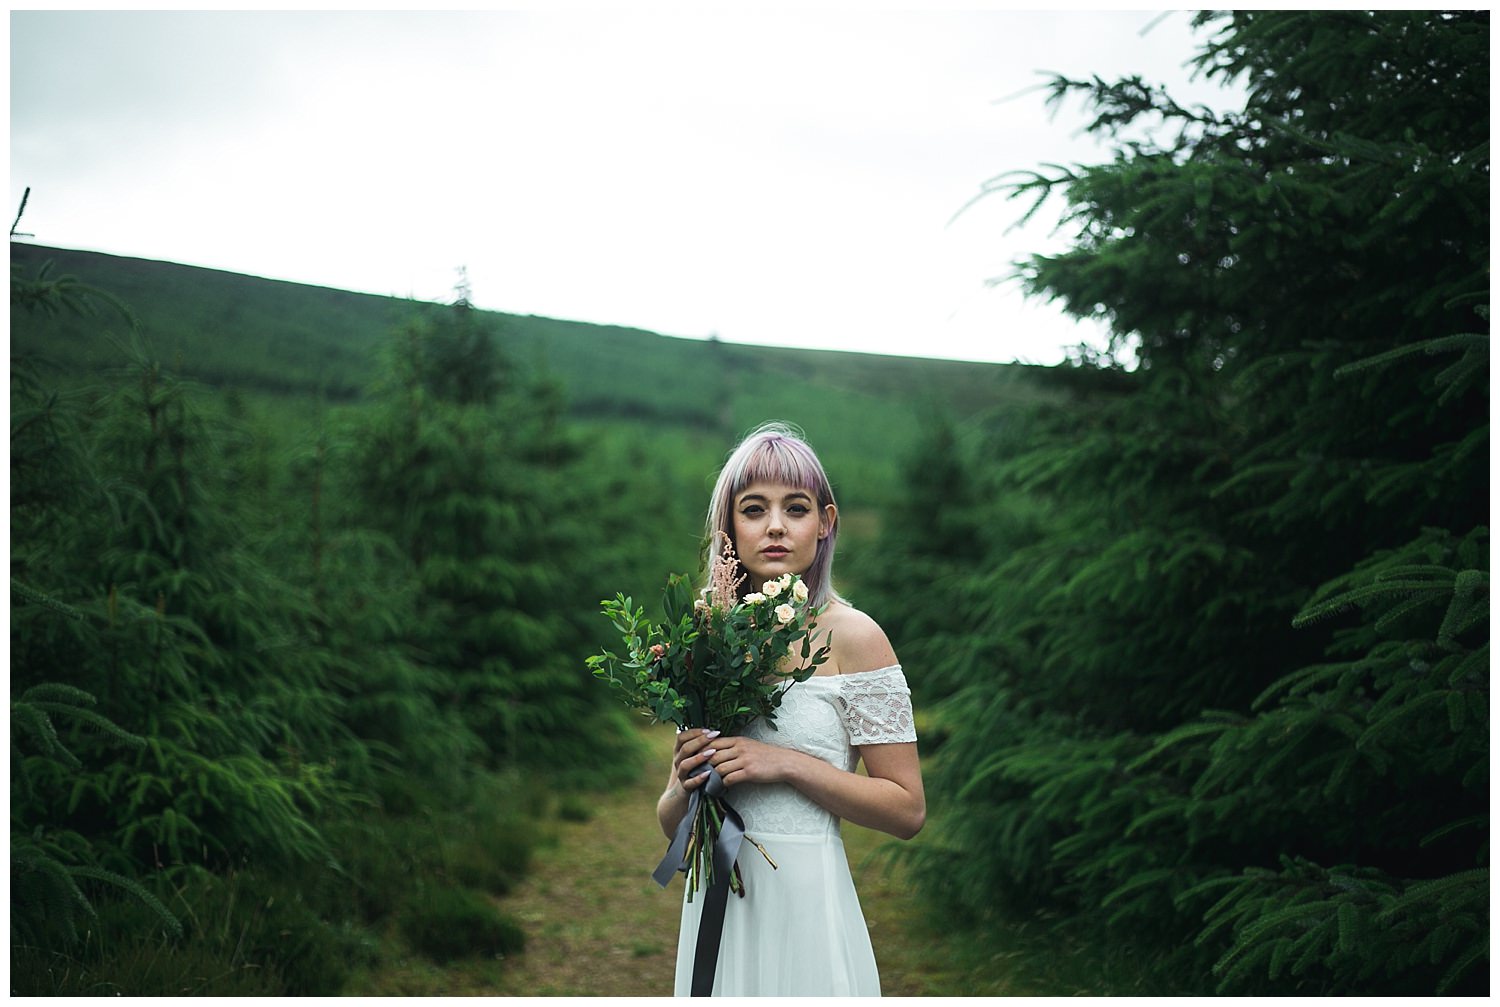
(799, 495)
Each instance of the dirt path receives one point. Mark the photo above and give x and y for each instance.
(597, 924)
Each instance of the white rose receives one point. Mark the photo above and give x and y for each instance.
(754, 598)
(772, 588)
(785, 613)
(799, 592)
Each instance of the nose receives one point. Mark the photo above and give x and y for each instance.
(777, 526)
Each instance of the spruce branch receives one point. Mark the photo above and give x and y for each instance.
(1465, 342)
(32, 596)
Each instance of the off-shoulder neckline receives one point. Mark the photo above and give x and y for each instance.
(855, 674)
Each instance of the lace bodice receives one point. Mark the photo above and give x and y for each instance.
(826, 717)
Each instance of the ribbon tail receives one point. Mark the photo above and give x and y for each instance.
(711, 922)
(710, 932)
(676, 858)
(731, 834)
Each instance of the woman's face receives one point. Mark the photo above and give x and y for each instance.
(777, 529)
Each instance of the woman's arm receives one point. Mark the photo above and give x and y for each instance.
(889, 799)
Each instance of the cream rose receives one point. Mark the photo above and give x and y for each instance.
(772, 588)
(785, 613)
(799, 592)
(754, 598)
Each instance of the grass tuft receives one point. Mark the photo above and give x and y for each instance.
(449, 923)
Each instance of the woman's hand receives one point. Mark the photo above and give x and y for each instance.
(693, 749)
(745, 760)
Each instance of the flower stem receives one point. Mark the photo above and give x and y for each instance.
(763, 853)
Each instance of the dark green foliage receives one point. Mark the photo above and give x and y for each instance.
(368, 600)
(50, 870)
(242, 692)
(111, 508)
(140, 964)
(294, 924)
(1214, 675)
(449, 923)
(483, 841)
(186, 639)
(54, 867)
(31, 715)
(51, 295)
(48, 903)
(470, 479)
(247, 932)
(1313, 923)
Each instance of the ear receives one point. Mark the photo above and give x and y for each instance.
(830, 517)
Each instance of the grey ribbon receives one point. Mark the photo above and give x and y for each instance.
(726, 849)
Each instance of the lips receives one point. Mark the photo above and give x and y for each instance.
(775, 552)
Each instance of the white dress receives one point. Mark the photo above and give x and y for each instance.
(799, 930)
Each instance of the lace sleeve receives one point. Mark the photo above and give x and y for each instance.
(876, 707)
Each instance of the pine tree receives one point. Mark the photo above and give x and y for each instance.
(465, 466)
(1243, 712)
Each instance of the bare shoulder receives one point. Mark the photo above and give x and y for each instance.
(856, 643)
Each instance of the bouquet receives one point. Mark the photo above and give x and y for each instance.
(718, 662)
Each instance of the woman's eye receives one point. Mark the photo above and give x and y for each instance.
(797, 509)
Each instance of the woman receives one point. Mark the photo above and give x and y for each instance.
(799, 930)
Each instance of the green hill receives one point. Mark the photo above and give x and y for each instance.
(295, 345)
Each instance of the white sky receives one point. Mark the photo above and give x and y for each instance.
(773, 176)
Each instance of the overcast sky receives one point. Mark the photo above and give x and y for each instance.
(772, 176)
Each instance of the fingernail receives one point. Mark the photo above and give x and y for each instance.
(710, 734)
(709, 751)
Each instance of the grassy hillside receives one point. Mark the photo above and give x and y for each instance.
(289, 352)
(230, 329)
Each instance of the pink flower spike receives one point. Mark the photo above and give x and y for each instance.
(722, 580)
